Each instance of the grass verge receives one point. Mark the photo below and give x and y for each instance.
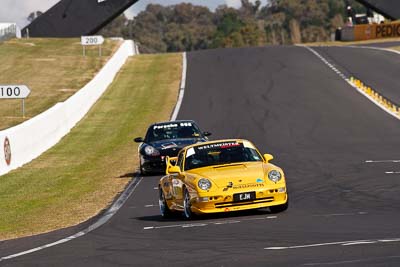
(81, 175)
(53, 69)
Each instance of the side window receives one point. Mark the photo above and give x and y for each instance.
(180, 160)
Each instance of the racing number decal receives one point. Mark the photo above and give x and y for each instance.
(7, 151)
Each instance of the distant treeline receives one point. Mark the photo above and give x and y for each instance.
(189, 27)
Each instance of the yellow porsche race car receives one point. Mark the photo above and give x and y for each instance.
(221, 176)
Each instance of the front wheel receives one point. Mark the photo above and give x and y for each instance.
(162, 202)
(142, 170)
(187, 206)
(280, 208)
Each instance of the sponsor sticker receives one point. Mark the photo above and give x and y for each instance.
(168, 145)
(242, 186)
(7, 151)
(248, 144)
(220, 145)
(165, 126)
(172, 125)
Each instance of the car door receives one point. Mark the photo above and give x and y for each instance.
(177, 181)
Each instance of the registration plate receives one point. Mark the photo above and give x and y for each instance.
(244, 196)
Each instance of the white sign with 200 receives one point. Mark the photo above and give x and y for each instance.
(92, 40)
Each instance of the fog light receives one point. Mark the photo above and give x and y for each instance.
(282, 190)
(202, 199)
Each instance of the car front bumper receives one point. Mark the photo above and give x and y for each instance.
(225, 203)
(153, 164)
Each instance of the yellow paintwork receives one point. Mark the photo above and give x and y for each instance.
(244, 177)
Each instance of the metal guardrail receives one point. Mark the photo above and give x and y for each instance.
(8, 33)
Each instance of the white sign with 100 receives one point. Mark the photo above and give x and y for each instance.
(15, 92)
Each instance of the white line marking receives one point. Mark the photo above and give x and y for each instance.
(155, 188)
(383, 161)
(224, 222)
(228, 222)
(392, 172)
(182, 88)
(341, 243)
(306, 246)
(186, 225)
(389, 240)
(150, 206)
(107, 216)
(194, 225)
(359, 243)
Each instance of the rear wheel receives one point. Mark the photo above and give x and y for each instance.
(187, 211)
(162, 202)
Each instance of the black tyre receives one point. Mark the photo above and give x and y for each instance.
(280, 208)
(162, 202)
(142, 171)
(187, 206)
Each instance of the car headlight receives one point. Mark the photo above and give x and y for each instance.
(204, 184)
(275, 176)
(151, 151)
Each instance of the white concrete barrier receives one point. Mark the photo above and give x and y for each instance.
(25, 142)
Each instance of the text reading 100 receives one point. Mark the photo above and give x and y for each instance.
(10, 91)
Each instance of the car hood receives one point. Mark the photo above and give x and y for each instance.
(174, 144)
(239, 174)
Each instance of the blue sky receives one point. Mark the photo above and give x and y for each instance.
(18, 10)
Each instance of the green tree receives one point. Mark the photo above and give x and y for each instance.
(188, 27)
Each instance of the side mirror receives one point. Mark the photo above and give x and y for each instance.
(174, 169)
(138, 140)
(268, 157)
(206, 133)
(170, 162)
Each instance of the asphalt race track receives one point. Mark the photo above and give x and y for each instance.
(382, 44)
(341, 157)
(376, 68)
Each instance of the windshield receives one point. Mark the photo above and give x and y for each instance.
(220, 153)
(165, 131)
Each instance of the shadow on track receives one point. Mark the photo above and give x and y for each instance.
(178, 217)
